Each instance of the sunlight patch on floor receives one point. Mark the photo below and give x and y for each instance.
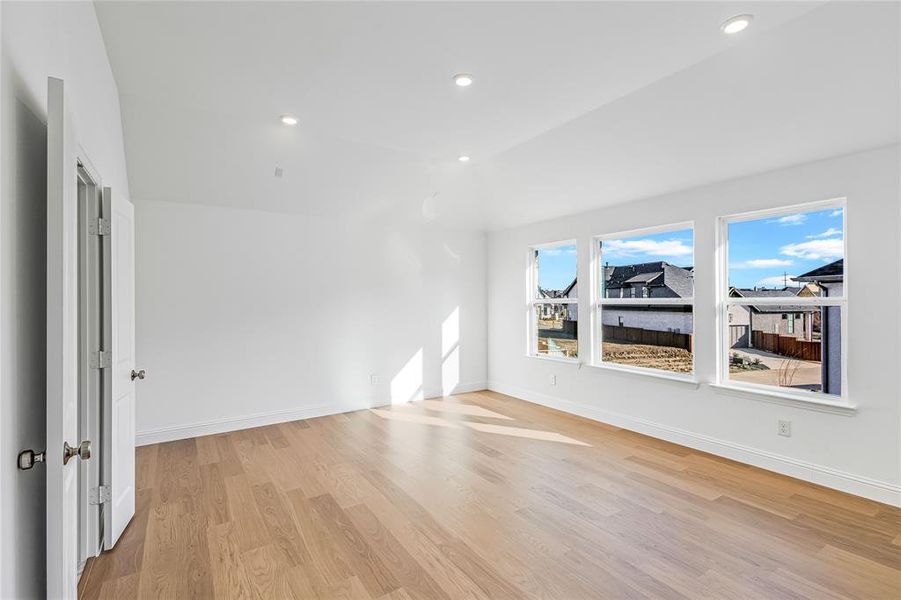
(411, 418)
(534, 434)
(520, 432)
(470, 410)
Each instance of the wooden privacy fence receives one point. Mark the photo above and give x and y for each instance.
(637, 335)
(787, 346)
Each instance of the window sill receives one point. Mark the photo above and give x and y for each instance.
(687, 379)
(786, 399)
(566, 361)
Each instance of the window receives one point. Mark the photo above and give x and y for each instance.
(653, 332)
(784, 285)
(553, 301)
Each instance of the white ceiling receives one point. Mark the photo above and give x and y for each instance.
(574, 106)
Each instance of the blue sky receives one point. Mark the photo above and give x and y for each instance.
(556, 267)
(674, 247)
(763, 250)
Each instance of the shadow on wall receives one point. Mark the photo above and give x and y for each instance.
(24, 280)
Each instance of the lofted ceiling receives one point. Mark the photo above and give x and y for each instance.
(574, 105)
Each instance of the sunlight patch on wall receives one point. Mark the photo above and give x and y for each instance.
(450, 352)
(450, 332)
(450, 372)
(407, 384)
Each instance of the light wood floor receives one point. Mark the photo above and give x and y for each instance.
(483, 496)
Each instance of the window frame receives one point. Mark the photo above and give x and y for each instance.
(724, 301)
(598, 300)
(533, 301)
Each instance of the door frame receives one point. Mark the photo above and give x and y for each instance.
(93, 333)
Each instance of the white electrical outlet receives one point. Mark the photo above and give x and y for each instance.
(785, 428)
(552, 380)
(375, 379)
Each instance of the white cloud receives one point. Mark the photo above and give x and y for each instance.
(828, 233)
(790, 219)
(837, 212)
(558, 251)
(763, 263)
(777, 281)
(831, 248)
(647, 247)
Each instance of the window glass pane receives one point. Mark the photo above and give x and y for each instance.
(658, 265)
(555, 269)
(654, 337)
(795, 254)
(557, 327)
(789, 347)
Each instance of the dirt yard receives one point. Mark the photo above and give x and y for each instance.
(664, 358)
(569, 348)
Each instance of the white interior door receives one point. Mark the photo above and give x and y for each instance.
(62, 347)
(119, 412)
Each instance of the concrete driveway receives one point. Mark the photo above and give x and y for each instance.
(803, 374)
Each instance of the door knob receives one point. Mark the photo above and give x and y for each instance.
(82, 451)
(28, 458)
(137, 374)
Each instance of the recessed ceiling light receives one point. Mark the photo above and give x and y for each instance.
(463, 158)
(463, 79)
(736, 24)
(289, 119)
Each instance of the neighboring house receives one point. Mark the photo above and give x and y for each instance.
(649, 280)
(789, 320)
(809, 290)
(831, 279)
(567, 312)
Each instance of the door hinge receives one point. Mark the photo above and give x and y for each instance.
(99, 226)
(99, 495)
(101, 359)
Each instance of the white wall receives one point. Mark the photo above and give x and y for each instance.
(246, 317)
(39, 40)
(857, 453)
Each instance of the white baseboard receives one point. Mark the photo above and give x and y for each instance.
(226, 424)
(201, 428)
(880, 491)
(460, 388)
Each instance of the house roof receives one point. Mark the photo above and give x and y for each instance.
(653, 274)
(834, 271)
(644, 277)
(750, 294)
(564, 293)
